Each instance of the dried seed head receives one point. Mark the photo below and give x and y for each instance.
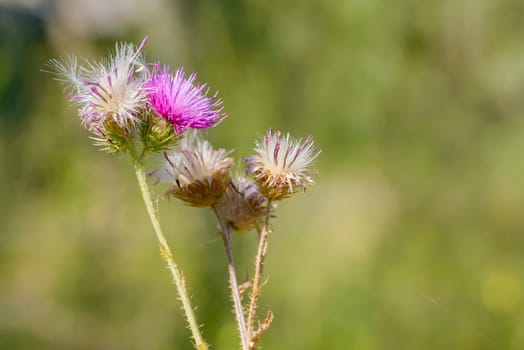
(198, 174)
(242, 206)
(281, 165)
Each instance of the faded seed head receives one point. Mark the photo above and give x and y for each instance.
(242, 206)
(198, 174)
(110, 90)
(281, 165)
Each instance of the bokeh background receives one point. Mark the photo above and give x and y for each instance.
(412, 238)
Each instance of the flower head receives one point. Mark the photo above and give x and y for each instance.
(111, 90)
(181, 102)
(242, 206)
(198, 174)
(282, 164)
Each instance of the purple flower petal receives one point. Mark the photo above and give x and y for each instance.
(182, 102)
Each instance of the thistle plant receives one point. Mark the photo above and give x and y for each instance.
(140, 109)
(133, 109)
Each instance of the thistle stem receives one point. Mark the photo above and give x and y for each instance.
(233, 284)
(166, 254)
(259, 268)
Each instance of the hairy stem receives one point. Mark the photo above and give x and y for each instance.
(257, 279)
(166, 254)
(233, 284)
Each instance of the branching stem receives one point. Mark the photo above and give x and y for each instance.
(233, 284)
(257, 279)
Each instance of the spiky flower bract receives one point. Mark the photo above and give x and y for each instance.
(198, 174)
(108, 91)
(242, 206)
(181, 101)
(282, 164)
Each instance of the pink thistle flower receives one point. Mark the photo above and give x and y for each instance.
(111, 89)
(181, 102)
(282, 164)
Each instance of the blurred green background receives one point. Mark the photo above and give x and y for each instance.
(412, 238)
